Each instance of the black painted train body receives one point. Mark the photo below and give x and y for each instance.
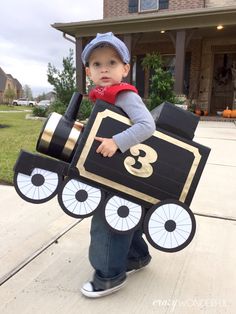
(151, 185)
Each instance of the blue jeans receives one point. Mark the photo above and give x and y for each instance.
(112, 254)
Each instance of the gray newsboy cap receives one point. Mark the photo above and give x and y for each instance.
(106, 38)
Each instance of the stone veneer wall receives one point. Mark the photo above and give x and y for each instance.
(195, 47)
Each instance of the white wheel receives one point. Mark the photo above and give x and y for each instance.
(78, 199)
(38, 187)
(170, 226)
(122, 215)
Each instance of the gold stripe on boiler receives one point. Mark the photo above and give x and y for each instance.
(70, 143)
(49, 131)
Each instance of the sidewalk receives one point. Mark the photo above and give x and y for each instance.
(43, 252)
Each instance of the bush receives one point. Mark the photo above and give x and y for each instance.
(85, 109)
(162, 82)
(57, 106)
(40, 112)
(161, 88)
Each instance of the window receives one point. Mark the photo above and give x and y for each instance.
(133, 6)
(163, 4)
(148, 5)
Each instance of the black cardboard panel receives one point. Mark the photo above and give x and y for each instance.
(170, 177)
(175, 120)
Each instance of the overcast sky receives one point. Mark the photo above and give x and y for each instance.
(28, 42)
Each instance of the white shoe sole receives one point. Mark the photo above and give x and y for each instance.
(87, 290)
(130, 272)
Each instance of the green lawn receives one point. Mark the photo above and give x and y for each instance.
(13, 108)
(16, 133)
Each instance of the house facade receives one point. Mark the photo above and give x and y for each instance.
(196, 39)
(7, 81)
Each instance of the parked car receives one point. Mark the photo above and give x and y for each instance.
(23, 102)
(43, 103)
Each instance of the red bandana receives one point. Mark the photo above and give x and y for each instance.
(109, 93)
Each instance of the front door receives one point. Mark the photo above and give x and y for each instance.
(222, 84)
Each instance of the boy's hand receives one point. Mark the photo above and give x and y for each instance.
(107, 147)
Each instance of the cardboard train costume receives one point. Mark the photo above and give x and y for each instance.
(152, 184)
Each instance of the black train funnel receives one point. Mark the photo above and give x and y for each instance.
(73, 107)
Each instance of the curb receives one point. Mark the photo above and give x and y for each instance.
(31, 117)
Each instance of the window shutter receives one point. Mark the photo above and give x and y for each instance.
(163, 4)
(133, 6)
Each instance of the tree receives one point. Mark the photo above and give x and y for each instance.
(9, 95)
(162, 82)
(27, 92)
(63, 81)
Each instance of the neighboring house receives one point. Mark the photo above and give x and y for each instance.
(197, 40)
(8, 81)
(50, 96)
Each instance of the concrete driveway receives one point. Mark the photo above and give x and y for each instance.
(43, 252)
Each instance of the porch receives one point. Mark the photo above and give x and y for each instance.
(199, 55)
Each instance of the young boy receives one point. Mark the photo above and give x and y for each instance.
(112, 255)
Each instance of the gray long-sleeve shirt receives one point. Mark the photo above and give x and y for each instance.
(142, 126)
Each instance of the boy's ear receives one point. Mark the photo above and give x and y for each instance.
(126, 70)
(87, 71)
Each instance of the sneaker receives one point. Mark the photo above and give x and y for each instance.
(89, 290)
(135, 270)
(139, 266)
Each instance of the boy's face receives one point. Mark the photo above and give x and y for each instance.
(105, 67)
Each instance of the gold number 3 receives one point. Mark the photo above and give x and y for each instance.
(146, 169)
